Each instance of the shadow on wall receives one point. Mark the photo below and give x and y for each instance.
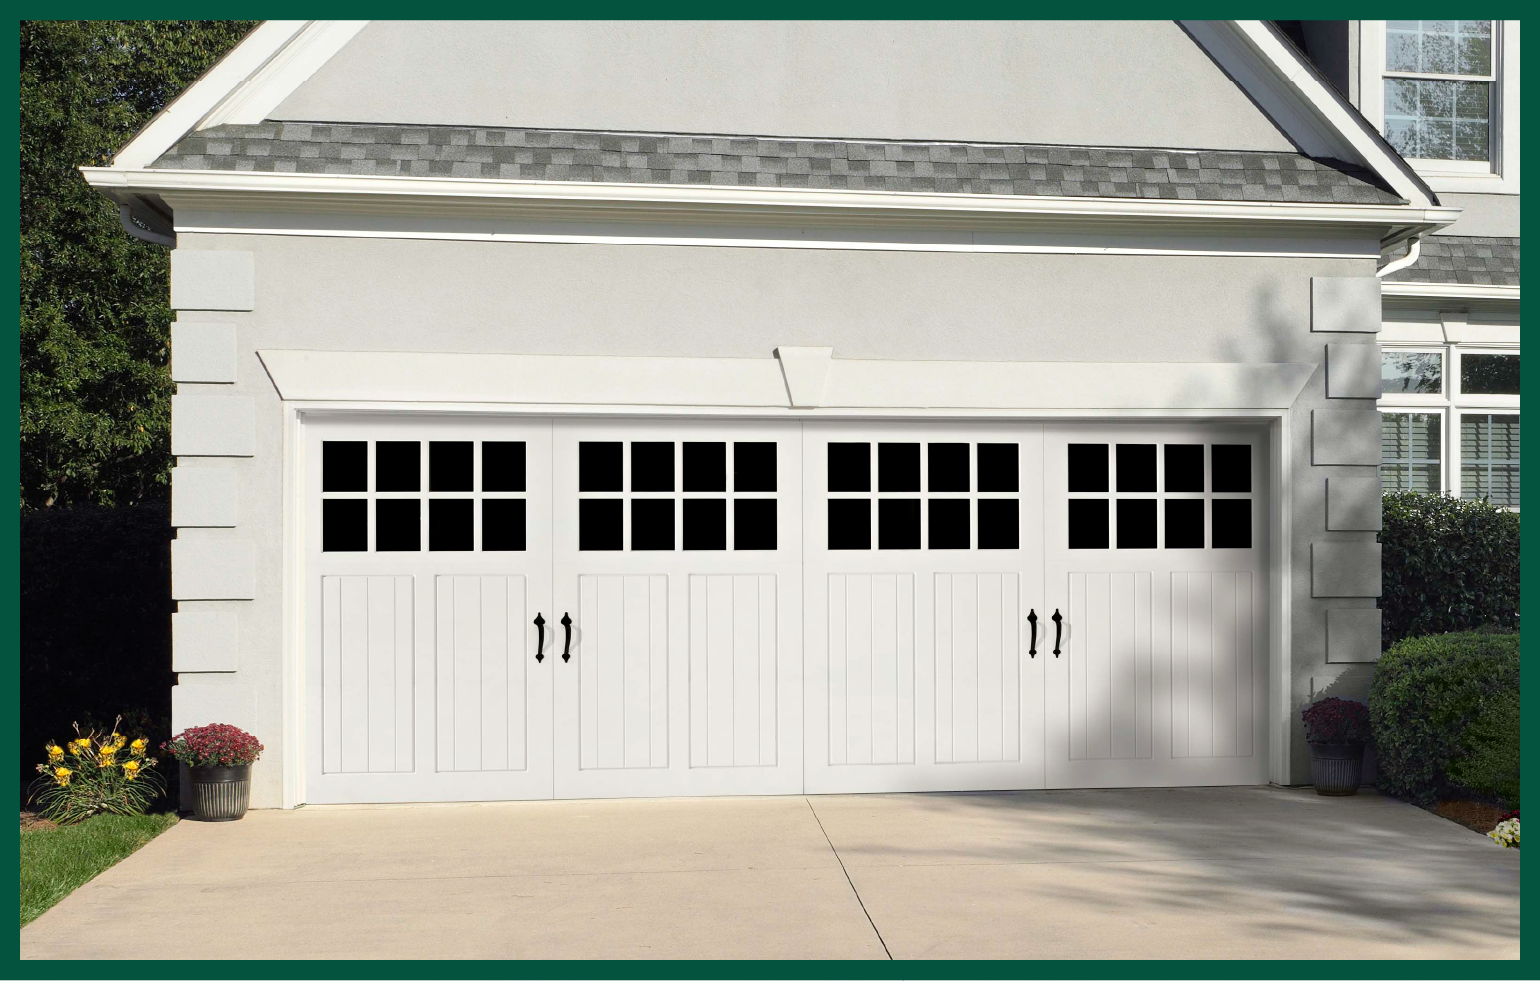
(95, 606)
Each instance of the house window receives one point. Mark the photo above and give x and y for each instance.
(1439, 80)
(1450, 421)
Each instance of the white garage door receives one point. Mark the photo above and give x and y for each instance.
(525, 608)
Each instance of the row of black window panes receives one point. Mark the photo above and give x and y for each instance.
(1230, 467)
(601, 466)
(947, 467)
(1229, 527)
(398, 466)
(948, 523)
(398, 524)
(601, 524)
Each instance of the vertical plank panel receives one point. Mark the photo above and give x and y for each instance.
(1010, 667)
(444, 660)
(905, 632)
(1224, 664)
(1075, 650)
(381, 654)
(520, 657)
(657, 592)
(885, 658)
(1200, 681)
(944, 666)
(467, 703)
(745, 614)
(1246, 667)
(587, 653)
(990, 648)
(965, 660)
(355, 674)
(612, 670)
(1143, 680)
(839, 630)
(406, 685)
(636, 671)
(331, 674)
(719, 670)
(858, 667)
(769, 659)
(1097, 628)
(698, 672)
(1181, 661)
(1122, 668)
(494, 672)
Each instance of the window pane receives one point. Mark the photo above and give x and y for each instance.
(344, 465)
(850, 467)
(1444, 47)
(652, 467)
(949, 527)
(1412, 372)
(1136, 522)
(1489, 374)
(1232, 468)
(1411, 452)
(1232, 523)
(502, 525)
(705, 520)
(999, 522)
(1184, 467)
(599, 467)
(1184, 523)
(999, 468)
(502, 466)
(705, 469)
(345, 526)
(652, 521)
(1087, 466)
(1136, 466)
(1087, 527)
(398, 525)
(898, 466)
(1438, 119)
(753, 466)
(898, 522)
(600, 524)
(850, 523)
(449, 467)
(947, 466)
(397, 466)
(451, 525)
(754, 523)
(1489, 458)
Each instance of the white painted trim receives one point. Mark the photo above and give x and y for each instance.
(1445, 291)
(509, 379)
(292, 684)
(1281, 607)
(185, 111)
(285, 71)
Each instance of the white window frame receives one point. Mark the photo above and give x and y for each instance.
(1500, 174)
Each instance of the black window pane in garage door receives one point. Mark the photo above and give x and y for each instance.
(753, 466)
(652, 524)
(345, 526)
(754, 523)
(999, 522)
(705, 468)
(705, 524)
(1087, 523)
(850, 467)
(1232, 468)
(1184, 467)
(999, 469)
(450, 466)
(1136, 467)
(652, 467)
(502, 466)
(1087, 463)
(601, 524)
(397, 466)
(1232, 523)
(502, 524)
(898, 522)
(1184, 523)
(898, 467)
(947, 466)
(949, 526)
(1136, 522)
(344, 465)
(398, 524)
(599, 466)
(850, 523)
(451, 525)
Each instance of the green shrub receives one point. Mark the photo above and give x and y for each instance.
(1431, 701)
(1449, 564)
(1492, 768)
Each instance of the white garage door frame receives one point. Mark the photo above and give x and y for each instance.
(297, 411)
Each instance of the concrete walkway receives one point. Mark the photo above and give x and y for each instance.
(1246, 872)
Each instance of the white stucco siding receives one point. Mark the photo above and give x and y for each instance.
(1096, 83)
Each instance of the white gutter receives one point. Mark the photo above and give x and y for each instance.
(125, 214)
(1413, 250)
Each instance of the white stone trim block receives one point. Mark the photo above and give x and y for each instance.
(1354, 504)
(206, 704)
(1352, 636)
(1352, 371)
(209, 280)
(1338, 437)
(807, 372)
(213, 425)
(1345, 569)
(204, 641)
(213, 569)
(202, 352)
(1345, 304)
(203, 497)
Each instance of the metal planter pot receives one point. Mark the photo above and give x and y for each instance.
(1335, 769)
(220, 793)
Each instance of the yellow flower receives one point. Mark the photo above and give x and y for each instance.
(131, 769)
(138, 746)
(118, 739)
(105, 757)
(55, 754)
(78, 746)
(61, 776)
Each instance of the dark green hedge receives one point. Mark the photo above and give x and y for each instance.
(95, 622)
(1449, 565)
(1439, 706)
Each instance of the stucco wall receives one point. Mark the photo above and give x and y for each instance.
(1485, 214)
(359, 294)
(1107, 83)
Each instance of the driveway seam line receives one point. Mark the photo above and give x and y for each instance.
(853, 890)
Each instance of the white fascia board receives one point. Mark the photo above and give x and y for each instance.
(390, 194)
(1303, 105)
(187, 110)
(1462, 291)
(285, 71)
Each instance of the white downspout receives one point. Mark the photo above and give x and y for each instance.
(1413, 249)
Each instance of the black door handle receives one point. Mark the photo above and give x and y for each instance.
(1058, 629)
(566, 648)
(539, 638)
(1032, 647)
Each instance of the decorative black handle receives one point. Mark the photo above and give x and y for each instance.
(566, 648)
(539, 638)
(1032, 647)
(1058, 629)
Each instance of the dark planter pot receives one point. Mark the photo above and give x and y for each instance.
(220, 793)
(1336, 769)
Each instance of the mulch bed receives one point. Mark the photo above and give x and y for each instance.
(1478, 816)
(31, 822)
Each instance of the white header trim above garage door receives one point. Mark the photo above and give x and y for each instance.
(801, 379)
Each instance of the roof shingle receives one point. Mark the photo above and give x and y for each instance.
(1470, 260)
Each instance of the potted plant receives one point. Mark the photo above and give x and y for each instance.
(1336, 730)
(218, 759)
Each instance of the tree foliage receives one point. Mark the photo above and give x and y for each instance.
(95, 390)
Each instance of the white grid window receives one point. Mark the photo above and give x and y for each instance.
(1439, 81)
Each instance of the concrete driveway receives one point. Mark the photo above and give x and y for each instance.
(1190, 873)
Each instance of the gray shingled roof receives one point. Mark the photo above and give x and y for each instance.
(974, 168)
(1466, 259)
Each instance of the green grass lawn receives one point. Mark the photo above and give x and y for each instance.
(57, 861)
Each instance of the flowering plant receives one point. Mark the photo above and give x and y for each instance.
(214, 745)
(1336, 722)
(1507, 831)
(92, 775)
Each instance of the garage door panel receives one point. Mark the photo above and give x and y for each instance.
(733, 670)
(620, 648)
(367, 691)
(1108, 645)
(977, 667)
(481, 673)
(1213, 667)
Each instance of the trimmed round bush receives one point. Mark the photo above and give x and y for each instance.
(1449, 564)
(1434, 705)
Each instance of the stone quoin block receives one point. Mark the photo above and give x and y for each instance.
(213, 425)
(207, 280)
(1352, 636)
(203, 497)
(202, 352)
(1354, 504)
(204, 641)
(1342, 437)
(213, 569)
(1345, 569)
(1345, 304)
(1352, 371)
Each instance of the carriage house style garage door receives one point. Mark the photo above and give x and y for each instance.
(515, 608)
